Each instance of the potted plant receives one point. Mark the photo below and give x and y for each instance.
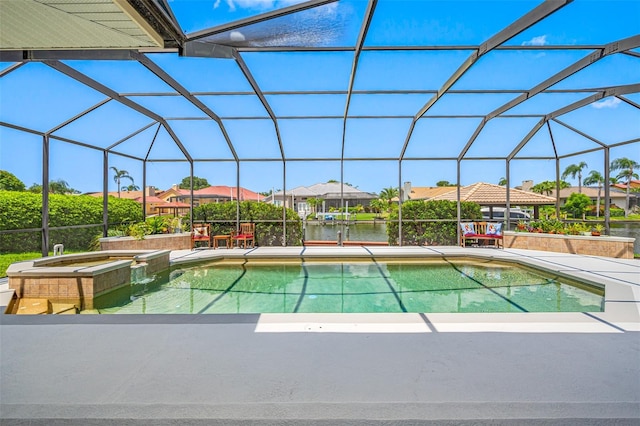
(536, 226)
(597, 229)
(575, 228)
(521, 226)
(558, 227)
(176, 225)
(586, 229)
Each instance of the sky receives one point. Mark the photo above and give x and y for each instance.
(38, 97)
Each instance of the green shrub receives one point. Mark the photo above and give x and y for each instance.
(9, 182)
(429, 233)
(614, 212)
(551, 225)
(577, 204)
(152, 225)
(95, 241)
(23, 210)
(267, 217)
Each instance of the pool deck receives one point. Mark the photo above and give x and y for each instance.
(328, 369)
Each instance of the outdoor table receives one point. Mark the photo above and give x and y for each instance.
(226, 238)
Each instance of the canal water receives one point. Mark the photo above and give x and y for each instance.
(378, 232)
(357, 232)
(629, 230)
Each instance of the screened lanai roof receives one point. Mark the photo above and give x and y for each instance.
(354, 90)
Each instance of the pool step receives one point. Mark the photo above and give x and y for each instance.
(63, 309)
(38, 306)
(33, 306)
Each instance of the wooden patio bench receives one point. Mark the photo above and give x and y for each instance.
(481, 234)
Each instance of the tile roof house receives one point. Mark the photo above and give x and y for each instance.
(152, 199)
(178, 201)
(210, 194)
(632, 184)
(156, 205)
(152, 203)
(329, 192)
(428, 192)
(617, 196)
(485, 194)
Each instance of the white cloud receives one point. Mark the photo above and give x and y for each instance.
(607, 103)
(536, 41)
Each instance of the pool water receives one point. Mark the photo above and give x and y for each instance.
(356, 286)
(453, 285)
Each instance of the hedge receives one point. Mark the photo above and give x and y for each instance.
(222, 217)
(429, 233)
(23, 210)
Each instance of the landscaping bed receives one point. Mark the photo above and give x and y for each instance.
(181, 241)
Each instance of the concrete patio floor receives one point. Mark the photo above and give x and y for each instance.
(354, 369)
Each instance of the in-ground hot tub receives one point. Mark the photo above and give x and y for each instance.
(81, 278)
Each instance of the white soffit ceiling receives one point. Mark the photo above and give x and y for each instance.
(73, 24)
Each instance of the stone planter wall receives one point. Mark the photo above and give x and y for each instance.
(151, 242)
(575, 244)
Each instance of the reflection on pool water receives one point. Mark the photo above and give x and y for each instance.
(362, 286)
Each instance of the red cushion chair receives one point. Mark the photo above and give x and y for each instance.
(201, 233)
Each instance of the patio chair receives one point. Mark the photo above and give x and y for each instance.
(201, 233)
(245, 236)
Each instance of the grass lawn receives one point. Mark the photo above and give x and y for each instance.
(369, 216)
(616, 218)
(631, 217)
(7, 259)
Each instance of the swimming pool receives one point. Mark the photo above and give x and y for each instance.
(357, 286)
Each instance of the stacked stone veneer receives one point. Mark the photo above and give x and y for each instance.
(151, 242)
(70, 285)
(575, 244)
(50, 278)
(155, 262)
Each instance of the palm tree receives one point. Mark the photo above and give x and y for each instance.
(595, 178)
(573, 170)
(58, 186)
(546, 187)
(378, 205)
(132, 187)
(119, 175)
(502, 182)
(61, 187)
(314, 203)
(388, 194)
(626, 166)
